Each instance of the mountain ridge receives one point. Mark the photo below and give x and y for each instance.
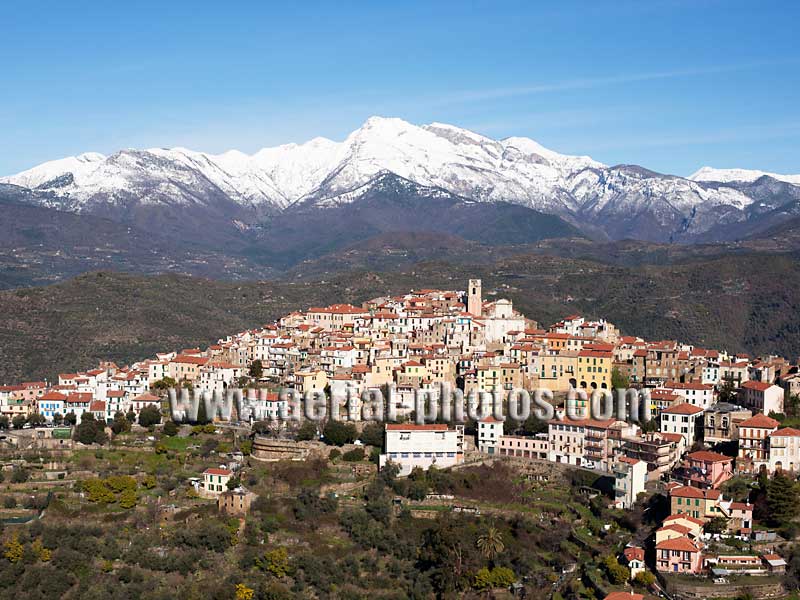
(621, 201)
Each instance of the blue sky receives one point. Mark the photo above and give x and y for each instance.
(671, 85)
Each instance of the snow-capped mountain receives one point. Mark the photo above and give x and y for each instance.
(744, 175)
(620, 201)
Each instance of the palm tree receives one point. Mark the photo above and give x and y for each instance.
(491, 543)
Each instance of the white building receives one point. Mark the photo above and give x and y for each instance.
(50, 404)
(215, 481)
(410, 446)
(630, 476)
(489, 432)
(761, 397)
(144, 401)
(697, 394)
(682, 419)
(566, 441)
(784, 450)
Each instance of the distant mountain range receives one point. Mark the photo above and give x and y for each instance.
(251, 215)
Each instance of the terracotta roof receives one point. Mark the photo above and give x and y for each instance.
(677, 385)
(194, 360)
(686, 491)
(685, 518)
(682, 529)
(53, 397)
(785, 432)
(77, 398)
(415, 427)
(624, 596)
(760, 420)
(634, 553)
(708, 456)
(682, 544)
(758, 386)
(684, 408)
(213, 471)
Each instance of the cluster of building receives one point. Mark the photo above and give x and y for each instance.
(420, 340)
(103, 392)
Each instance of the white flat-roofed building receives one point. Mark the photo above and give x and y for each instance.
(630, 477)
(489, 432)
(410, 446)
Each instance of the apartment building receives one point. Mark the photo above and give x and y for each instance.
(424, 446)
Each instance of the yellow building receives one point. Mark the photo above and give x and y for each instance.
(594, 369)
(557, 372)
(412, 374)
(186, 368)
(307, 381)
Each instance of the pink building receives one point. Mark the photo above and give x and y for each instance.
(678, 555)
(706, 469)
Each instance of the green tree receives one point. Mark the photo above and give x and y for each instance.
(149, 416)
(36, 420)
(120, 424)
(617, 573)
(20, 475)
(170, 428)
(354, 455)
(18, 421)
(275, 562)
(4, 422)
(619, 381)
(782, 499)
(14, 550)
(165, 383)
(339, 434)
(716, 525)
(307, 431)
(498, 577)
(128, 499)
(490, 543)
(372, 435)
(90, 431)
(727, 391)
(644, 578)
(97, 490)
(532, 426)
(256, 369)
(70, 419)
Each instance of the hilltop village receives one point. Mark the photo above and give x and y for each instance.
(722, 451)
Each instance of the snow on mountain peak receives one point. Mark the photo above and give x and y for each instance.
(710, 174)
(438, 155)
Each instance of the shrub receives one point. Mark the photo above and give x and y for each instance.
(354, 455)
(307, 432)
(339, 434)
(20, 475)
